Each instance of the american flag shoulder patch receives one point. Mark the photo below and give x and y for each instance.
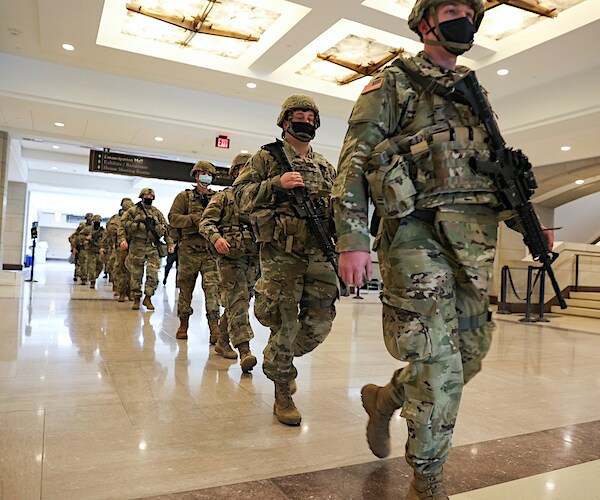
(374, 84)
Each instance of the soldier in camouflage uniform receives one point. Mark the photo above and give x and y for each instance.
(137, 235)
(195, 256)
(119, 275)
(229, 231)
(298, 286)
(80, 267)
(408, 148)
(89, 240)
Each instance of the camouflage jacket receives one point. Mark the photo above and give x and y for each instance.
(223, 219)
(423, 173)
(74, 238)
(109, 240)
(96, 237)
(185, 215)
(133, 225)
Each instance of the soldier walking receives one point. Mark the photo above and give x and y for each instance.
(298, 286)
(80, 265)
(89, 241)
(195, 256)
(230, 232)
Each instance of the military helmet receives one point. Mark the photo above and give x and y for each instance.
(89, 215)
(126, 203)
(422, 6)
(298, 101)
(147, 191)
(203, 166)
(97, 218)
(238, 163)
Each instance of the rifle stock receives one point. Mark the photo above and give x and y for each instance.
(511, 172)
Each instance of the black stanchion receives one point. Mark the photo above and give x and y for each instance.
(503, 284)
(34, 235)
(357, 296)
(528, 318)
(541, 317)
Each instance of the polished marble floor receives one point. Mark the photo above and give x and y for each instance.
(101, 402)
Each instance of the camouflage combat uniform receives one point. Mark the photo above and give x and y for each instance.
(238, 270)
(194, 255)
(436, 242)
(90, 239)
(297, 287)
(80, 262)
(142, 246)
(119, 275)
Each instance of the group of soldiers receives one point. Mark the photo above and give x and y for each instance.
(409, 149)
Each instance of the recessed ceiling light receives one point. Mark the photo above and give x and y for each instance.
(565, 148)
(579, 181)
(158, 139)
(54, 168)
(502, 72)
(59, 124)
(251, 85)
(244, 151)
(68, 47)
(55, 147)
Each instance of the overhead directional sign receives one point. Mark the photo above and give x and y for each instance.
(154, 168)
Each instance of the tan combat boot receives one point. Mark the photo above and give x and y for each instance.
(284, 408)
(136, 304)
(427, 487)
(183, 328)
(122, 297)
(215, 331)
(247, 359)
(224, 348)
(148, 303)
(378, 403)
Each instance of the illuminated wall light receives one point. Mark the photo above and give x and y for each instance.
(244, 151)
(251, 85)
(54, 168)
(55, 147)
(158, 139)
(579, 181)
(502, 72)
(68, 47)
(565, 148)
(59, 124)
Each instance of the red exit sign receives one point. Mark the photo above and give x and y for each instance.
(222, 141)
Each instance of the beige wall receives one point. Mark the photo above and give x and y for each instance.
(14, 224)
(4, 145)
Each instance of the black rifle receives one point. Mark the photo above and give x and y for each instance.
(309, 209)
(96, 236)
(151, 226)
(511, 172)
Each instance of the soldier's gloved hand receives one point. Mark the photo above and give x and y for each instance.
(222, 246)
(124, 245)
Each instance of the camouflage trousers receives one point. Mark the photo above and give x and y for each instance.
(295, 298)
(140, 253)
(93, 262)
(237, 279)
(81, 268)
(435, 318)
(194, 259)
(119, 273)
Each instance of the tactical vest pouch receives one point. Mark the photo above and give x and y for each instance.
(290, 234)
(392, 189)
(236, 243)
(263, 224)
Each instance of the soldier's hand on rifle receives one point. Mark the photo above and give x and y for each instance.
(549, 234)
(89, 238)
(291, 180)
(102, 251)
(124, 245)
(355, 266)
(222, 246)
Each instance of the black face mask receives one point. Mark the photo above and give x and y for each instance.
(459, 30)
(147, 201)
(96, 225)
(303, 131)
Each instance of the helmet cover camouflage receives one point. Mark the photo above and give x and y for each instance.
(238, 163)
(147, 191)
(89, 215)
(422, 6)
(126, 203)
(299, 101)
(97, 218)
(203, 166)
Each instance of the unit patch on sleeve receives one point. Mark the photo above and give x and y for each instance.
(374, 84)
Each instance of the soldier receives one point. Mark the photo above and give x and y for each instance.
(195, 257)
(118, 272)
(89, 240)
(298, 286)
(229, 231)
(409, 144)
(80, 265)
(142, 227)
